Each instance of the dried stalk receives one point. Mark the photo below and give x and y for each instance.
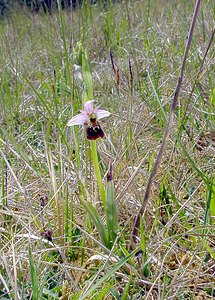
(166, 133)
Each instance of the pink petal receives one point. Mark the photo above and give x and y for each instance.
(79, 119)
(83, 112)
(102, 113)
(88, 106)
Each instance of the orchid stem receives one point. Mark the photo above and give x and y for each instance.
(94, 155)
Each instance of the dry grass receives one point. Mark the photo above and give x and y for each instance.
(46, 168)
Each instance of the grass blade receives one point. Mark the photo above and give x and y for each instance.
(106, 276)
(34, 276)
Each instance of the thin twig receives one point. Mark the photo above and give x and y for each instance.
(198, 75)
(167, 131)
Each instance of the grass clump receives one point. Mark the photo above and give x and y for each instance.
(126, 55)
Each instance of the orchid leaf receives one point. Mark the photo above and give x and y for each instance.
(111, 209)
(97, 221)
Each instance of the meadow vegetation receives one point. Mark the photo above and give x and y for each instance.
(67, 204)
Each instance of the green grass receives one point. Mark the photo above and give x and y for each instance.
(57, 235)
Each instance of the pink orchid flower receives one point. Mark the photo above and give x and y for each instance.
(89, 118)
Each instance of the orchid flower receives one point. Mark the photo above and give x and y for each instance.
(89, 119)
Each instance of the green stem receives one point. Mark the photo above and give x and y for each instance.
(94, 156)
